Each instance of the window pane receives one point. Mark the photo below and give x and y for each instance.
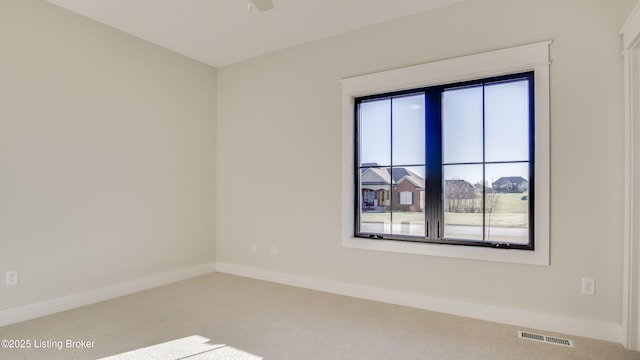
(462, 125)
(375, 200)
(507, 204)
(375, 132)
(408, 130)
(408, 199)
(463, 202)
(507, 121)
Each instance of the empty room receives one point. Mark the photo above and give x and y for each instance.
(319, 179)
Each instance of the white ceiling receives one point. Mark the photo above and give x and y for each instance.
(221, 32)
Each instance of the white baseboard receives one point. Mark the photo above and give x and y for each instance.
(548, 322)
(542, 321)
(52, 306)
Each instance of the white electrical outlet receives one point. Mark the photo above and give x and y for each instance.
(274, 250)
(12, 278)
(254, 248)
(588, 286)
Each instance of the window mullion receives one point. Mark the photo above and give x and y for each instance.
(391, 185)
(484, 170)
(433, 160)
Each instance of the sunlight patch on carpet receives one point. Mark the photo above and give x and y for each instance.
(192, 348)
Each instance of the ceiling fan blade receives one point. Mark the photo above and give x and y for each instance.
(263, 5)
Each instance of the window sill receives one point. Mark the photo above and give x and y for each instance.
(529, 257)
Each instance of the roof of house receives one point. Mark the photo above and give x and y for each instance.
(398, 175)
(381, 174)
(403, 174)
(510, 179)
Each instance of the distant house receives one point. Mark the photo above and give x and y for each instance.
(408, 194)
(511, 184)
(376, 187)
(400, 188)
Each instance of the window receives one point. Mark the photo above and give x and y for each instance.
(447, 153)
(406, 198)
(464, 147)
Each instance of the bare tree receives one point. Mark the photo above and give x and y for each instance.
(491, 201)
(460, 196)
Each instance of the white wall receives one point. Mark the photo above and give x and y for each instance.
(107, 165)
(279, 157)
(109, 156)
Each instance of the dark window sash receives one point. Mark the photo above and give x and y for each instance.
(434, 213)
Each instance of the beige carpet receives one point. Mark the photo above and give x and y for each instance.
(220, 316)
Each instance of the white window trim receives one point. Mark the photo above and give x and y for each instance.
(533, 57)
(631, 279)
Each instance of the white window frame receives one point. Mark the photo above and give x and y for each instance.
(406, 198)
(533, 57)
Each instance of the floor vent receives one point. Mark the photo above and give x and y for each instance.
(545, 339)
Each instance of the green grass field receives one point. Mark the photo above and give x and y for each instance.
(510, 211)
